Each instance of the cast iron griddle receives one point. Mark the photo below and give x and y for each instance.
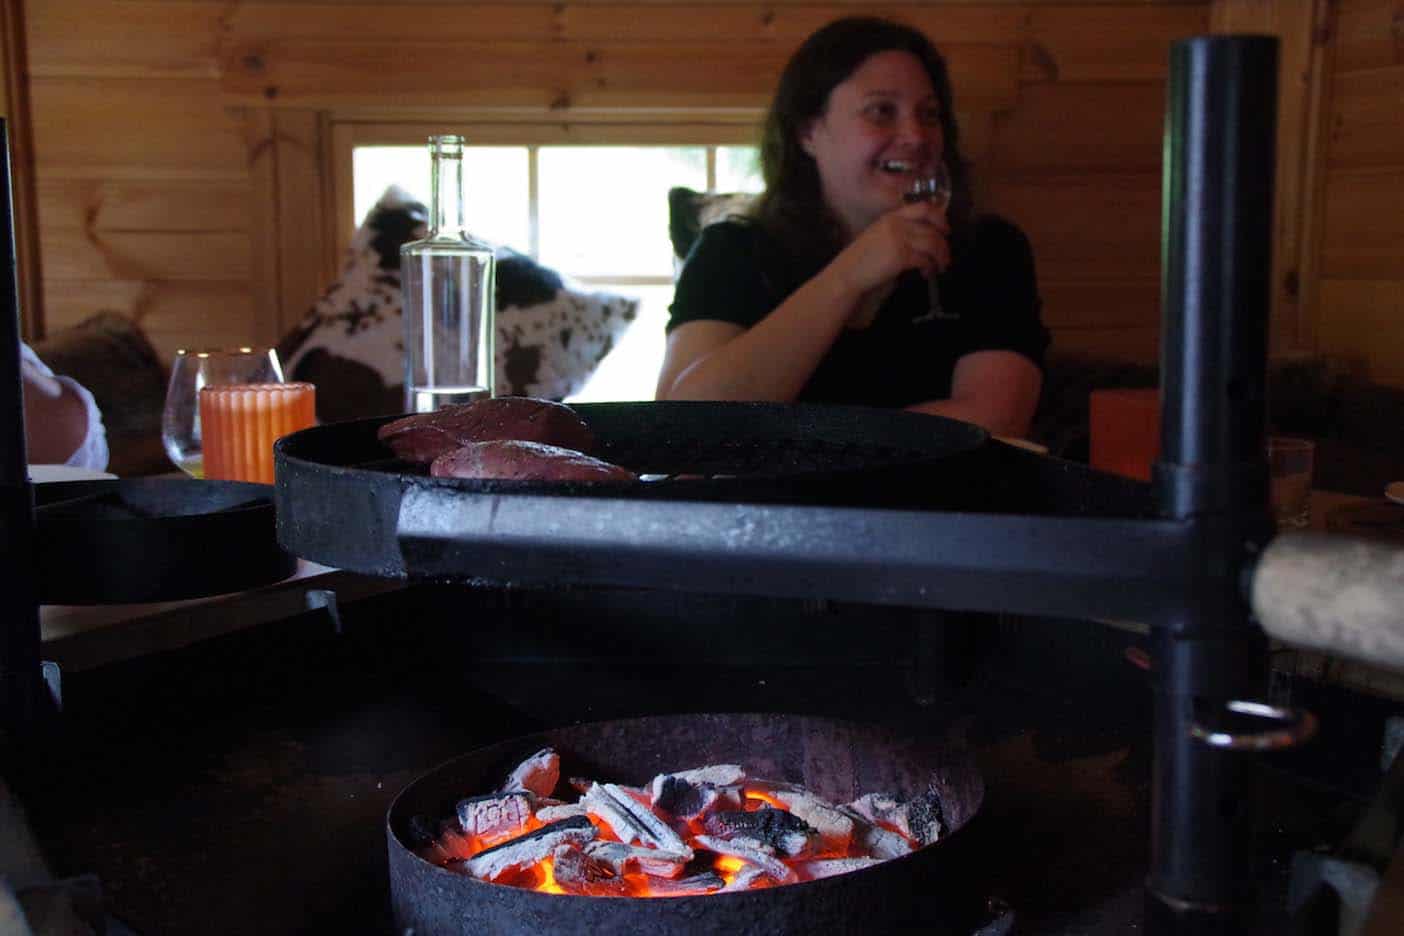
(154, 539)
(876, 506)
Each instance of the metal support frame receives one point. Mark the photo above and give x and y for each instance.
(24, 695)
(1218, 200)
(1185, 570)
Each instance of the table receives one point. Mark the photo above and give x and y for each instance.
(79, 637)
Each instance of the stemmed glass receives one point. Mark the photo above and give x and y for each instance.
(933, 185)
(180, 420)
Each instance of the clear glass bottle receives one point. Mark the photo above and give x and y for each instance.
(447, 281)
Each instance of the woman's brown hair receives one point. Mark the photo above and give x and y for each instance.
(792, 208)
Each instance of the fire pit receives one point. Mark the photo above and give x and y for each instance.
(836, 760)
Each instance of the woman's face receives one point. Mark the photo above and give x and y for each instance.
(880, 127)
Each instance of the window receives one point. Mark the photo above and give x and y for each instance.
(595, 212)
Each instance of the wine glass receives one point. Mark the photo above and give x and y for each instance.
(933, 185)
(180, 420)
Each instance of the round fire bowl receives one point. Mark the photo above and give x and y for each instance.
(836, 760)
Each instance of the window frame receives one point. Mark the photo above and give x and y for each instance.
(739, 128)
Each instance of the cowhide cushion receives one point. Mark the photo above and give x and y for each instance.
(551, 332)
(689, 211)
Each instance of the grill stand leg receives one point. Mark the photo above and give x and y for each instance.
(1220, 148)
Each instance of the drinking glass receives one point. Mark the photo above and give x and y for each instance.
(933, 185)
(1289, 472)
(192, 370)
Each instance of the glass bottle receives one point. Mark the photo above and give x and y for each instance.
(447, 281)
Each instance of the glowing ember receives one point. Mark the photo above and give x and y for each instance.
(688, 833)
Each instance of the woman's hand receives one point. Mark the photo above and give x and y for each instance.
(912, 237)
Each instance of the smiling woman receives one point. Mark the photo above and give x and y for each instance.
(821, 295)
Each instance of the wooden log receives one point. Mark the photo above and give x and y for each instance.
(551, 76)
(1368, 34)
(1364, 235)
(144, 204)
(129, 128)
(1338, 594)
(129, 39)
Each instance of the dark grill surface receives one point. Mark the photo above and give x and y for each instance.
(241, 785)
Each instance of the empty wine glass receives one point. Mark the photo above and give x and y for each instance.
(180, 420)
(933, 185)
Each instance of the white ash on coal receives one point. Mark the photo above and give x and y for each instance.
(495, 815)
(689, 832)
(521, 854)
(538, 774)
(771, 830)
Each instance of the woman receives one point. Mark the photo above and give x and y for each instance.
(821, 295)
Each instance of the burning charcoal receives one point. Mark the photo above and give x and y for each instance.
(751, 876)
(538, 774)
(454, 842)
(423, 839)
(918, 819)
(495, 814)
(834, 828)
(828, 867)
(578, 873)
(876, 840)
(717, 775)
(560, 811)
(652, 861)
(677, 797)
(780, 872)
(767, 829)
(523, 852)
(705, 883)
(420, 832)
(631, 820)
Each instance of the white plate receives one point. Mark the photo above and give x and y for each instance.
(40, 474)
(1395, 492)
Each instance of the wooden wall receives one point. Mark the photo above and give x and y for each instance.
(1360, 298)
(182, 155)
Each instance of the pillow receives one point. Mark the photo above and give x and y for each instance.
(551, 332)
(690, 211)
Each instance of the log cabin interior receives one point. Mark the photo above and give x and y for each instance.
(183, 177)
(186, 165)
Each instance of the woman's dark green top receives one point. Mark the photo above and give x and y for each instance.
(735, 273)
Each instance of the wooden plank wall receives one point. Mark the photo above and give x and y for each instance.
(1360, 309)
(181, 144)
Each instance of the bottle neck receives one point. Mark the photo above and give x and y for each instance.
(446, 194)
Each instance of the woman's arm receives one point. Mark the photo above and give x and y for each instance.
(55, 419)
(773, 360)
(997, 390)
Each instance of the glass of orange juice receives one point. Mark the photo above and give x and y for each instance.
(242, 421)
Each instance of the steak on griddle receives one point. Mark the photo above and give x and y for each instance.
(513, 460)
(423, 437)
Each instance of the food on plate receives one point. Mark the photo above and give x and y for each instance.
(424, 437)
(518, 460)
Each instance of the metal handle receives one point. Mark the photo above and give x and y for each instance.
(1295, 727)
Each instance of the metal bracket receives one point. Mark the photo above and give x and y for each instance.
(53, 680)
(325, 598)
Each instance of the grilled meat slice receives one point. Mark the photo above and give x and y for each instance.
(510, 460)
(423, 437)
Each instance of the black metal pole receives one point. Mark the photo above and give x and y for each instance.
(1216, 255)
(22, 692)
